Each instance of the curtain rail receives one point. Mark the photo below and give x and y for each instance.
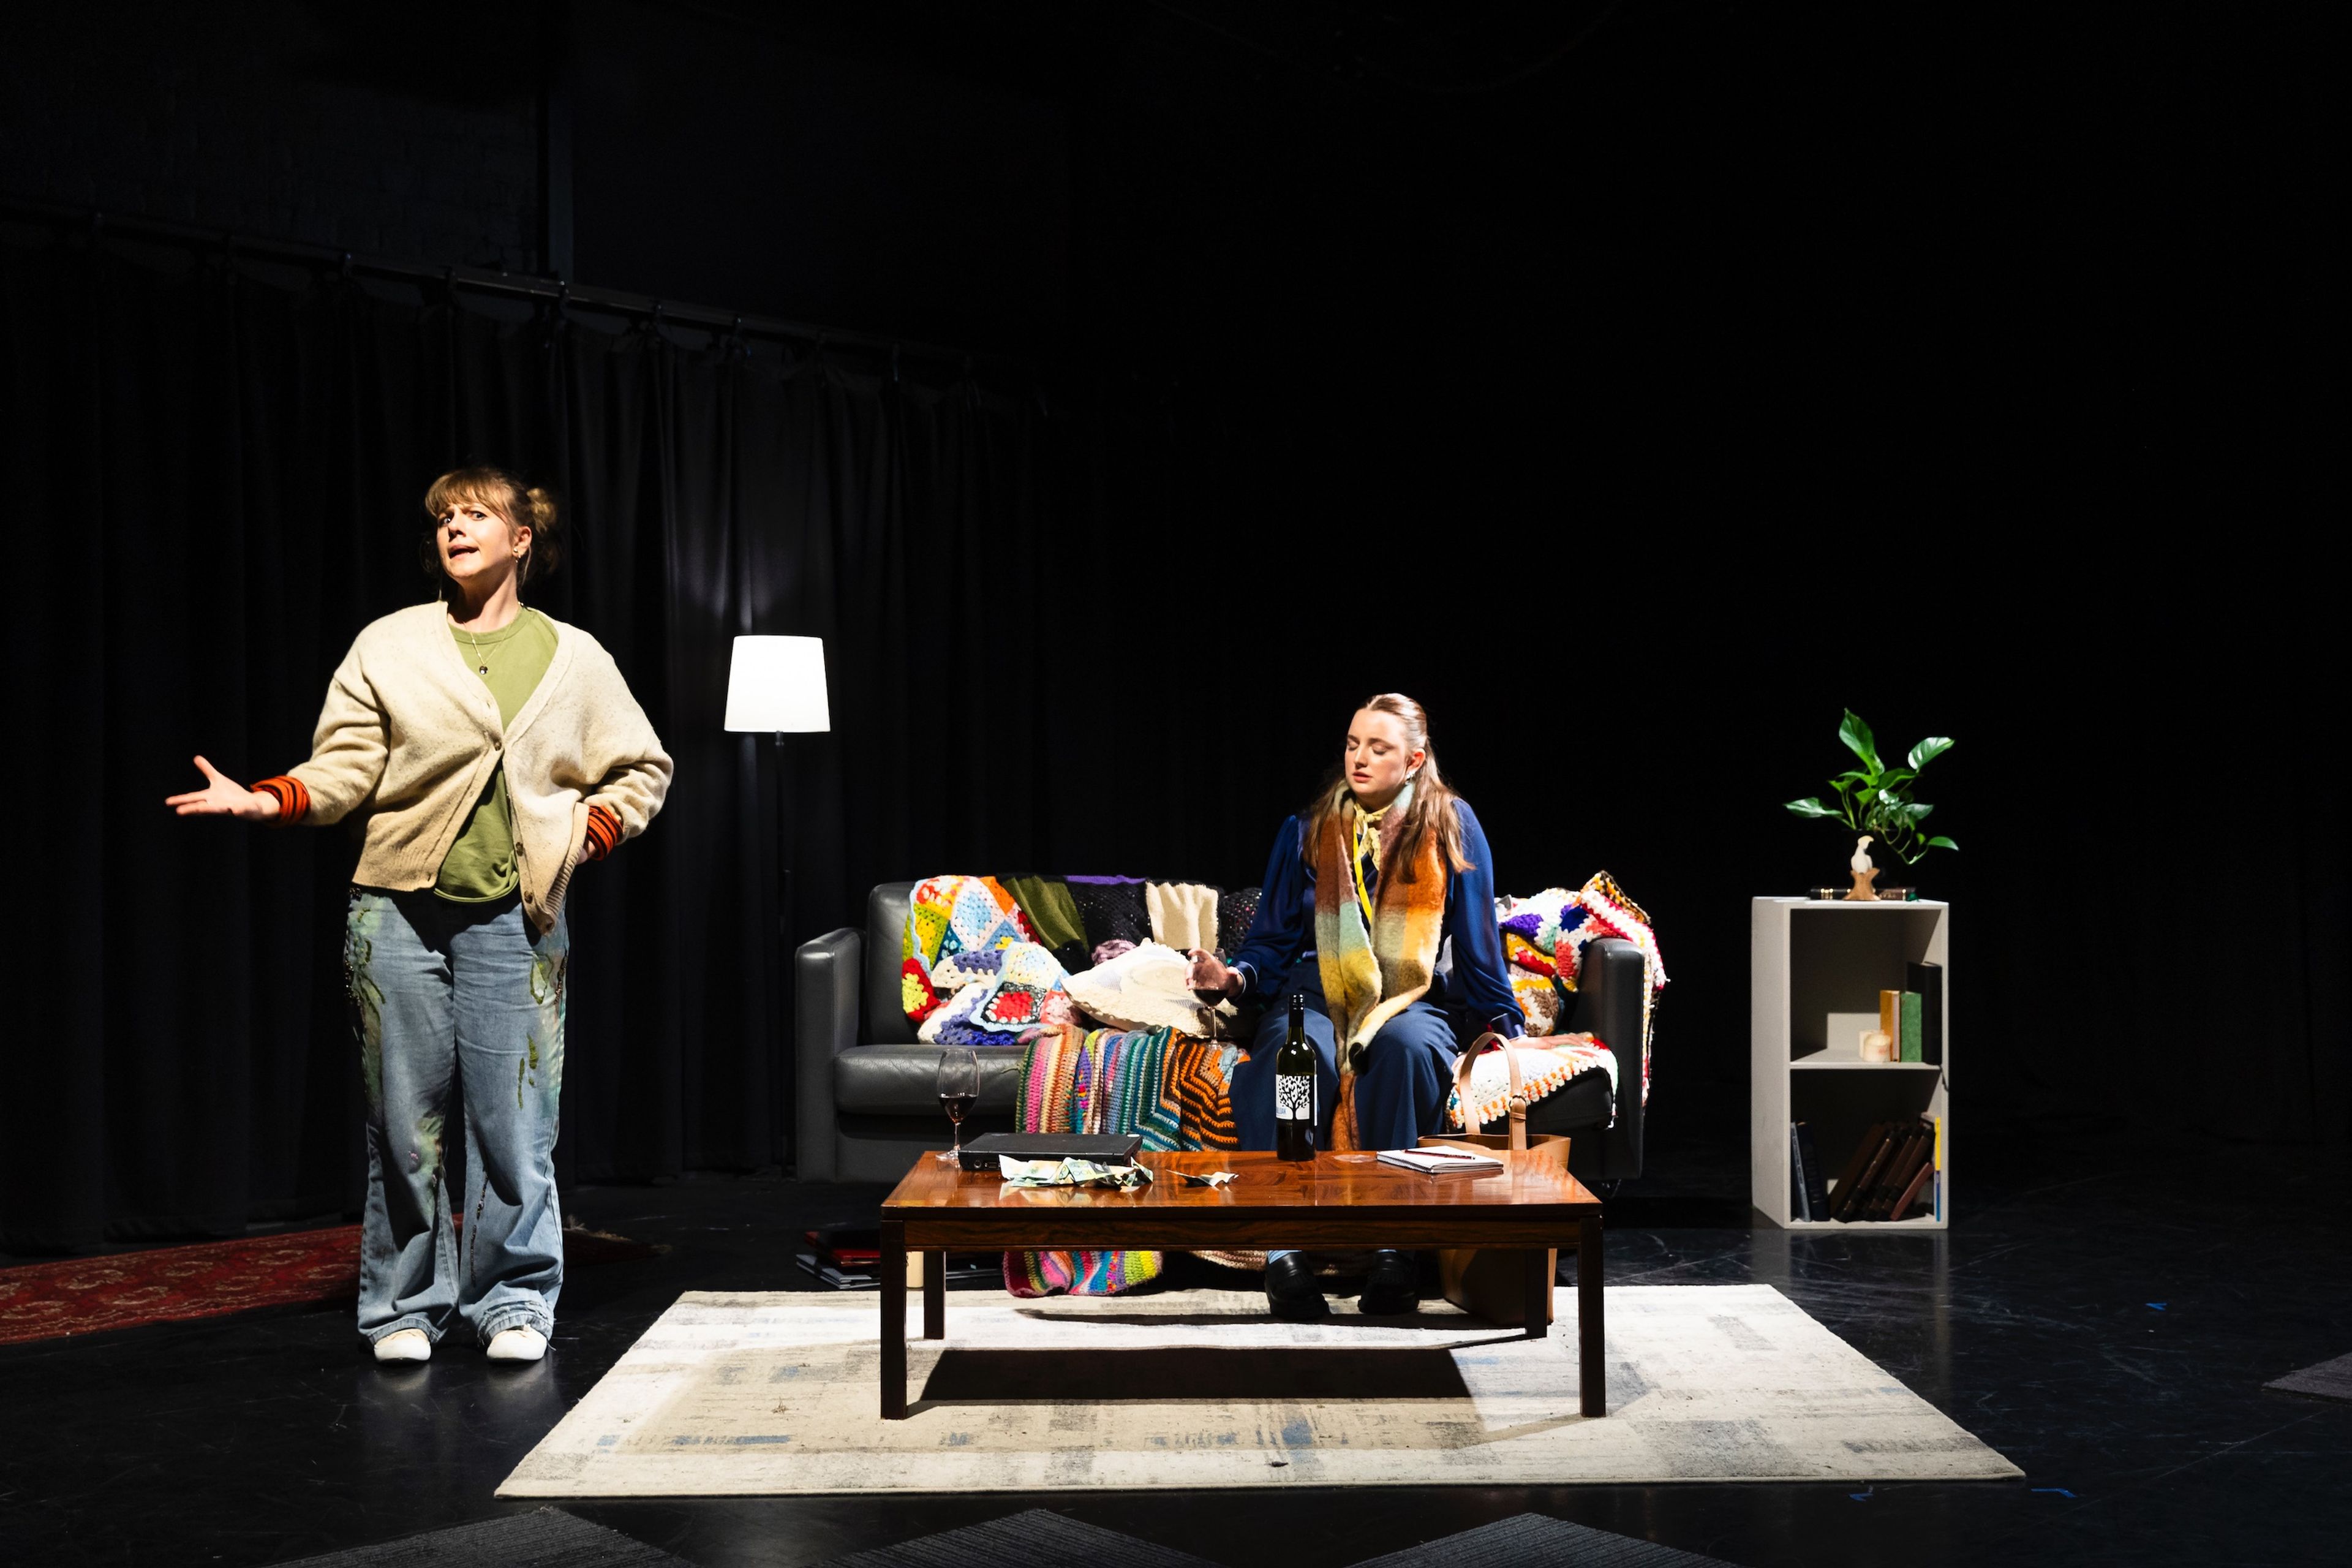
(608, 301)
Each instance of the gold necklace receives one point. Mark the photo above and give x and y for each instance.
(482, 666)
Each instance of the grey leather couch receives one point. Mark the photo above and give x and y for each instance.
(868, 1104)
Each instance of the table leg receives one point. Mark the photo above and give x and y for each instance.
(1591, 1348)
(1538, 1305)
(935, 1295)
(893, 1265)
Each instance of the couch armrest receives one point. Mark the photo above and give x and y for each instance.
(1610, 980)
(825, 1025)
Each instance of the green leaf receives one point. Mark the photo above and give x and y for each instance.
(1928, 750)
(1809, 806)
(1860, 741)
(1940, 842)
(1918, 810)
(1854, 775)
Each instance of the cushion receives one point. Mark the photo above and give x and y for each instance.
(1112, 908)
(1583, 1104)
(1235, 914)
(904, 1080)
(1143, 989)
(1546, 1067)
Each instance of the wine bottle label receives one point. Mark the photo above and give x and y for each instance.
(1294, 1097)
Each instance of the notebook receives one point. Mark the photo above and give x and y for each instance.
(1443, 1162)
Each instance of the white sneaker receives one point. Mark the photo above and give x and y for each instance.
(407, 1344)
(518, 1344)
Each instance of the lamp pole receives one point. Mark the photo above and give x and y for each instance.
(776, 685)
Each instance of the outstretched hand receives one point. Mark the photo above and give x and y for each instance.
(1209, 978)
(224, 796)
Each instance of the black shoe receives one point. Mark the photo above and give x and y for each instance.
(1390, 1285)
(1291, 1291)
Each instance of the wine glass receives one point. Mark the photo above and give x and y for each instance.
(959, 1087)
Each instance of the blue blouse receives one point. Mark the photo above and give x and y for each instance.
(1282, 934)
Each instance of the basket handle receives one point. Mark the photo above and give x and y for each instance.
(1517, 1103)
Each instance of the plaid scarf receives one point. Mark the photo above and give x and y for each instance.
(1376, 934)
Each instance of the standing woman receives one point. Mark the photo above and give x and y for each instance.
(490, 749)
(1385, 869)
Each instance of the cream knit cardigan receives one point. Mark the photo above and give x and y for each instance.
(410, 735)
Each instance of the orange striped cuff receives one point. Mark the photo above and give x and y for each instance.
(293, 798)
(604, 834)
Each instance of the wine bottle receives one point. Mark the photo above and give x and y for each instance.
(1294, 1088)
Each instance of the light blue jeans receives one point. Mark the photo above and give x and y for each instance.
(459, 1010)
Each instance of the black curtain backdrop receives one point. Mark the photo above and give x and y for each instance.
(1063, 639)
(220, 468)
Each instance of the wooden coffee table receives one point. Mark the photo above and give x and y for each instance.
(1332, 1201)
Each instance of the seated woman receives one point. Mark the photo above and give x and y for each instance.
(1363, 890)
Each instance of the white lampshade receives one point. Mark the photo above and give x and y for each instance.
(777, 684)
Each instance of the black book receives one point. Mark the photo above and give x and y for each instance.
(1119, 1149)
(1927, 979)
(1817, 1187)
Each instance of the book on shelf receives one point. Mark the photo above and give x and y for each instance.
(1809, 1165)
(1798, 1206)
(1901, 1167)
(1881, 1142)
(1927, 979)
(1890, 1017)
(1937, 1190)
(1842, 1188)
(1911, 1194)
(1907, 1044)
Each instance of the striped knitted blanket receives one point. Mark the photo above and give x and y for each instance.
(1171, 1087)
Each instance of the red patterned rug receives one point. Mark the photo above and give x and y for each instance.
(213, 1279)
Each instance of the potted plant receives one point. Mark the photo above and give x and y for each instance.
(1876, 801)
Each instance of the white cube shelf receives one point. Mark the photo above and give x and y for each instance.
(1815, 969)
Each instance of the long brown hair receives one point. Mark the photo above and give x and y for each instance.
(523, 505)
(1432, 810)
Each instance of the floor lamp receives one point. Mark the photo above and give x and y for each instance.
(776, 686)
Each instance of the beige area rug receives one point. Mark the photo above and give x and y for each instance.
(777, 1394)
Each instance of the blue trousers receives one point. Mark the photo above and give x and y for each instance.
(459, 1010)
(1401, 1091)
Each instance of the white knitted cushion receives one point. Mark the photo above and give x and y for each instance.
(1141, 989)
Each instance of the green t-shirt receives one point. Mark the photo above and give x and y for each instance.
(481, 864)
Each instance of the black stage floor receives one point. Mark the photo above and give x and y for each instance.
(2105, 1313)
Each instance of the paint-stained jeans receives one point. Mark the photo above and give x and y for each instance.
(460, 1018)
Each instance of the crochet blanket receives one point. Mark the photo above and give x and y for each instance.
(1172, 1089)
(971, 971)
(1543, 946)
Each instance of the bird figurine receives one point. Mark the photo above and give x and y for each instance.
(1865, 873)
